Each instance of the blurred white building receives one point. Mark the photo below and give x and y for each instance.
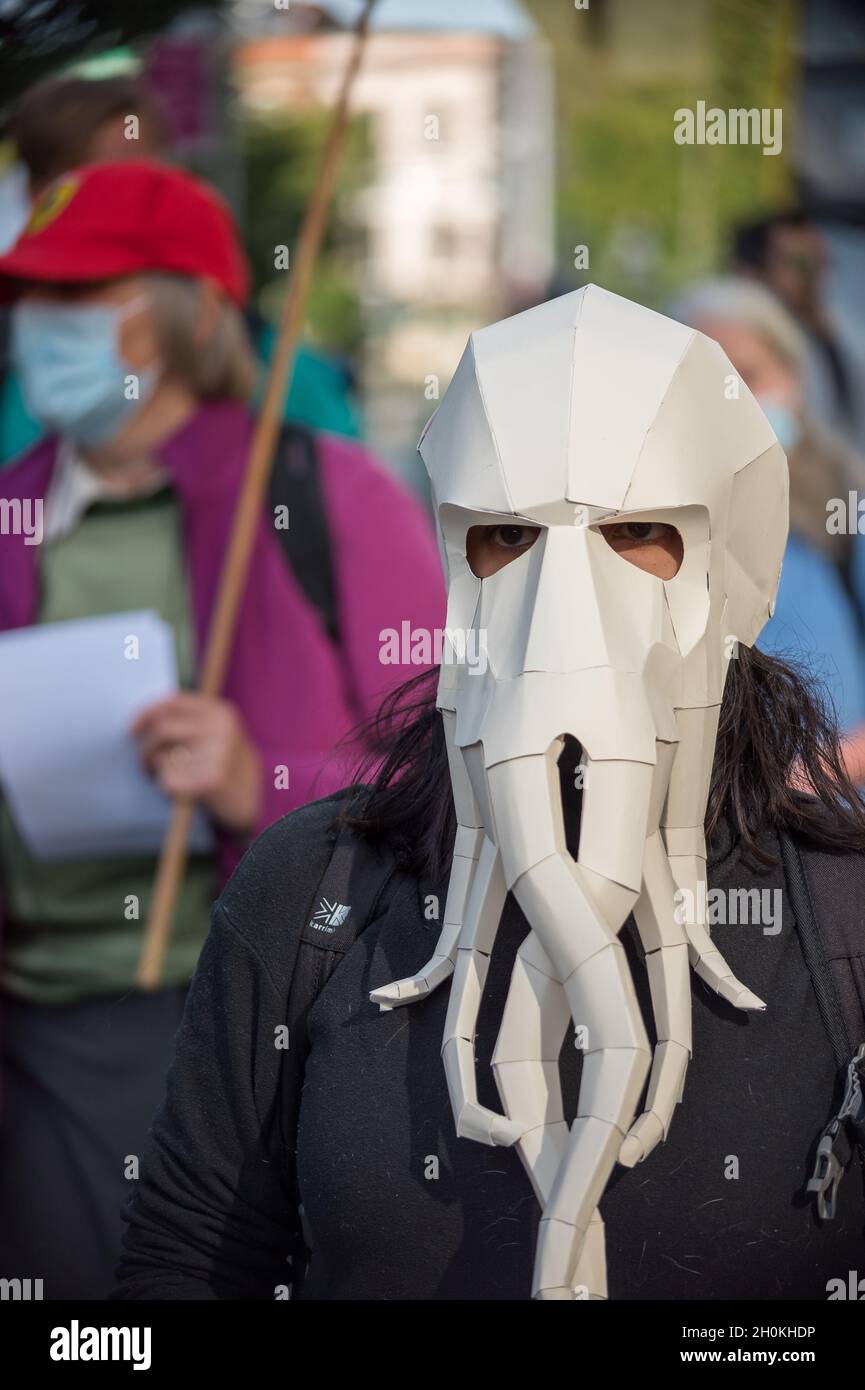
(458, 219)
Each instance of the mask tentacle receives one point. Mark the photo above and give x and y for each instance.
(666, 945)
(483, 914)
(576, 909)
(467, 848)
(590, 1279)
(685, 840)
(525, 1064)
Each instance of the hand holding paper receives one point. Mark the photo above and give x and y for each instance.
(195, 746)
(69, 765)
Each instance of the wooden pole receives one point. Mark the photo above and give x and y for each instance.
(173, 855)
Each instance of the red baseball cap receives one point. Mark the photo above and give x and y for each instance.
(105, 220)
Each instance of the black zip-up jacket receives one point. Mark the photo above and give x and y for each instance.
(391, 1204)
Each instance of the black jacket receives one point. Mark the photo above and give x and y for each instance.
(394, 1206)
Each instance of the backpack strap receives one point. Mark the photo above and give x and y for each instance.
(295, 484)
(345, 902)
(349, 895)
(810, 936)
(844, 1135)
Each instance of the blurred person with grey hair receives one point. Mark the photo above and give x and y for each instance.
(788, 254)
(820, 612)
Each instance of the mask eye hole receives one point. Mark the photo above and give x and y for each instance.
(490, 548)
(650, 545)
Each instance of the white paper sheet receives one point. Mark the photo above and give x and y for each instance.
(69, 768)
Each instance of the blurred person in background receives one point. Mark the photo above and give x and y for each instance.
(820, 613)
(132, 273)
(63, 122)
(788, 254)
(58, 124)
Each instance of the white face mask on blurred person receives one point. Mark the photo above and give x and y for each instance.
(73, 379)
(784, 421)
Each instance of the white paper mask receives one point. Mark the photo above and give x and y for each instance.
(590, 409)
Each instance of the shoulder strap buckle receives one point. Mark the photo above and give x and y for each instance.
(844, 1132)
(829, 1169)
(853, 1105)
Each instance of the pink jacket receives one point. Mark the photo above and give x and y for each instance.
(297, 693)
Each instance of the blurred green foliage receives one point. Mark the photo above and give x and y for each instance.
(280, 157)
(654, 214)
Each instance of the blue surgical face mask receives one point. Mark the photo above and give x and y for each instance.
(783, 420)
(72, 376)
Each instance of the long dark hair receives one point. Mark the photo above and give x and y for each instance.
(777, 763)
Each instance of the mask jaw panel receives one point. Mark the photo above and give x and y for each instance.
(606, 710)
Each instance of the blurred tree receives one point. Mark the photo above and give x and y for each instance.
(652, 213)
(280, 155)
(39, 36)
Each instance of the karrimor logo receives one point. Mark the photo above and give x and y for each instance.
(329, 915)
(20, 1290)
(77, 1343)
